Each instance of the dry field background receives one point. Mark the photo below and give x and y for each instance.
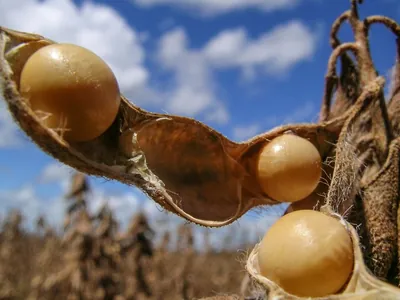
(93, 259)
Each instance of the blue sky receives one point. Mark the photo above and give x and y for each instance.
(242, 67)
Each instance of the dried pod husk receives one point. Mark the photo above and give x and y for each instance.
(394, 102)
(348, 87)
(379, 205)
(185, 166)
(362, 285)
(366, 175)
(360, 152)
(377, 202)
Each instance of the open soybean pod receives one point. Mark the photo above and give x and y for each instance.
(330, 262)
(185, 166)
(361, 284)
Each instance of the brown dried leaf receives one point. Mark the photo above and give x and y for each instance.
(380, 203)
(361, 147)
(394, 102)
(348, 87)
(346, 175)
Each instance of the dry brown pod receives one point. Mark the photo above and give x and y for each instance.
(185, 166)
(394, 102)
(363, 283)
(361, 286)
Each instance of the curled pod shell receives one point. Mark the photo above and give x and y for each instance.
(394, 102)
(185, 166)
(361, 284)
(348, 88)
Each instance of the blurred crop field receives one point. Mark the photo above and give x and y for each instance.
(91, 258)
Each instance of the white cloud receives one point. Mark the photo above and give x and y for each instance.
(307, 112)
(242, 133)
(213, 7)
(97, 27)
(123, 205)
(193, 91)
(57, 173)
(274, 51)
(26, 200)
(11, 135)
(227, 46)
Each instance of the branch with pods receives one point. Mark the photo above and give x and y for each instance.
(341, 178)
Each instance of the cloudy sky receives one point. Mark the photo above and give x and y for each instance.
(241, 66)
